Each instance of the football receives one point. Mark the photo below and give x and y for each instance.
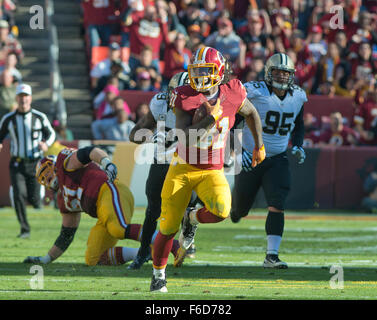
(199, 114)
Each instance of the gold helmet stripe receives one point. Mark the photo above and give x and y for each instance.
(200, 54)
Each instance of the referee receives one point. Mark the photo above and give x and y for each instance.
(31, 134)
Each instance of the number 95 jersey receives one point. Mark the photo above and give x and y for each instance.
(277, 116)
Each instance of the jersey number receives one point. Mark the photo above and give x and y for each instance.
(173, 96)
(274, 124)
(213, 137)
(72, 199)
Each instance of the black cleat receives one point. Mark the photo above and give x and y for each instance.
(236, 218)
(140, 259)
(24, 235)
(273, 261)
(158, 285)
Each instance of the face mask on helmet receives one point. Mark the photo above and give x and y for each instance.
(281, 79)
(279, 71)
(46, 173)
(207, 69)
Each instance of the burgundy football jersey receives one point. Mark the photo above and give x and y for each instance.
(79, 188)
(208, 153)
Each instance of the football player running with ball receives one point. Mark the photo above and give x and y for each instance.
(85, 180)
(280, 105)
(198, 162)
(161, 119)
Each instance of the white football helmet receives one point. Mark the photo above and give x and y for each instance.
(279, 61)
(179, 79)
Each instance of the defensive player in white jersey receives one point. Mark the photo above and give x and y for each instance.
(161, 121)
(280, 105)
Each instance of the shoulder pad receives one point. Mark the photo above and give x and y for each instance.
(158, 104)
(255, 88)
(301, 94)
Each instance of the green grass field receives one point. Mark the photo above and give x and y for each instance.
(227, 264)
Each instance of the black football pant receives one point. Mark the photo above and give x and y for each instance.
(25, 187)
(273, 175)
(153, 188)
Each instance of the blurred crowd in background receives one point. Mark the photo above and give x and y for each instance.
(11, 58)
(149, 41)
(333, 44)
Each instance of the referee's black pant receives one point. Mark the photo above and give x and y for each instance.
(25, 187)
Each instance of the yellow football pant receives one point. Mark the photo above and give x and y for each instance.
(115, 206)
(210, 185)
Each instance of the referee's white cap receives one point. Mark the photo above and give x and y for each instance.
(23, 88)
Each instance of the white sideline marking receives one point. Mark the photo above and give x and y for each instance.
(352, 263)
(312, 239)
(320, 229)
(245, 249)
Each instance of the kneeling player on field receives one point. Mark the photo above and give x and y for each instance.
(84, 187)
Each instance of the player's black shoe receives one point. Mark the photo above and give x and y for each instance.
(158, 285)
(140, 259)
(273, 261)
(236, 218)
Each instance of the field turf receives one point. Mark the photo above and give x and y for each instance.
(227, 264)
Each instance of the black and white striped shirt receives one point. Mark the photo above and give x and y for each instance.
(26, 130)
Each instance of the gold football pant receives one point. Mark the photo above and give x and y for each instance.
(211, 187)
(115, 205)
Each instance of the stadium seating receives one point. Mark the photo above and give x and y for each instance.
(135, 97)
(101, 53)
(323, 106)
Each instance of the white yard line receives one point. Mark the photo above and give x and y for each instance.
(311, 239)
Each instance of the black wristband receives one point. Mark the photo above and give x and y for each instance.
(65, 238)
(83, 154)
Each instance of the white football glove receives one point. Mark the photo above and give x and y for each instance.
(299, 154)
(110, 169)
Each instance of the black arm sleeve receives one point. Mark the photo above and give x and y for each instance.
(299, 130)
(65, 238)
(83, 154)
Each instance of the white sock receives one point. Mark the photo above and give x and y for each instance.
(273, 244)
(129, 254)
(159, 273)
(193, 219)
